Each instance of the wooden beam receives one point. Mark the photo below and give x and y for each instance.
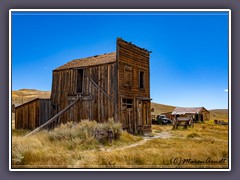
(53, 118)
(109, 97)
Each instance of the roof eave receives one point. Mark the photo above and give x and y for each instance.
(83, 67)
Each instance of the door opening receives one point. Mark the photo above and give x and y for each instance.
(79, 81)
(127, 114)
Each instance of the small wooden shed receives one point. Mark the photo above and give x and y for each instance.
(32, 114)
(197, 113)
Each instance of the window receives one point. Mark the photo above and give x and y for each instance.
(128, 75)
(141, 80)
(79, 80)
(127, 103)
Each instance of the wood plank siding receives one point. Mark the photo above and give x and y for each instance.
(134, 86)
(94, 105)
(32, 114)
(205, 114)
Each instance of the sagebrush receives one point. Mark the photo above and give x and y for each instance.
(70, 136)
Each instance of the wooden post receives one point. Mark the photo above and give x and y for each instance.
(109, 97)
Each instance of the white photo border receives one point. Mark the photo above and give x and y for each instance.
(118, 10)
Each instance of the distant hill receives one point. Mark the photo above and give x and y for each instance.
(219, 114)
(29, 90)
(24, 95)
(161, 108)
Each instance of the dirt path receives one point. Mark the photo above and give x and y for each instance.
(162, 135)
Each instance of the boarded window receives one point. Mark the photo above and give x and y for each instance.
(141, 80)
(79, 80)
(128, 76)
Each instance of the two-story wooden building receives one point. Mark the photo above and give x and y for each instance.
(114, 85)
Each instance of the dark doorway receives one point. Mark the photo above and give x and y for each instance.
(196, 117)
(199, 117)
(79, 81)
(141, 80)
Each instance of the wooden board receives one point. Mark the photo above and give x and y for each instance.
(33, 114)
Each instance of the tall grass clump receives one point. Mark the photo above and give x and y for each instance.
(193, 135)
(86, 131)
(59, 147)
(22, 146)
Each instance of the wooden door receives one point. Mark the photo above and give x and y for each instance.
(143, 112)
(127, 115)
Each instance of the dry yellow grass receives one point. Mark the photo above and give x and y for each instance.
(39, 152)
(13, 120)
(211, 142)
(160, 153)
(193, 151)
(63, 146)
(194, 146)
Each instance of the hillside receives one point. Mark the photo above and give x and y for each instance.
(219, 114)
(161, 108)
(24, 95)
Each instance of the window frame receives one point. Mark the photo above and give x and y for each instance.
(129, 69)
(82, 87)
(143, 79)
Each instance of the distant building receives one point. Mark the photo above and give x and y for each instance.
(198, 113)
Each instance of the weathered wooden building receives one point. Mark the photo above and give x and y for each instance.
(32, 114)
(114, 85)
(197, 113)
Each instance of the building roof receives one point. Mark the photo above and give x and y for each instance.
(36, 99)
(187, 110)
(133, 45)
(90, 61)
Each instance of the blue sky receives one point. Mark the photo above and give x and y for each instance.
(189, 59)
